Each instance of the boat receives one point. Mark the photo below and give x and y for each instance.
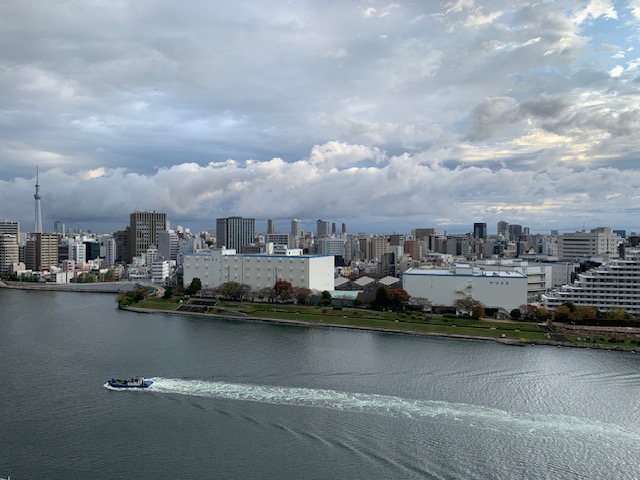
(134, 382)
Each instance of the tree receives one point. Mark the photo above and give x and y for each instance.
(234, 290)
(477, 311)
(168, 292)
(515, 314)
(422, 303)
(194, 287)
(527, 311)
(382, 298)
(617, 314)
(302, 295)
(465, 305)
(266, 293)
(283, 289)
(326, 297)
(397, 299)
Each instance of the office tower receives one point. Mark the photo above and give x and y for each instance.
(235, 232)
(344, 228)
(515, 231)
(9, 252)
(503, 229)
(168, 245)
(296, 228)
(271, 226)
(38, 220)
(122, 245)
(377, 247)
(144, 228)
(322, 228)
(480, 230)
(333, 229)
(41, 252)
(59, 227)
(92, 249)
(421, 233)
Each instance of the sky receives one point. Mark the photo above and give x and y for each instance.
(387, 116)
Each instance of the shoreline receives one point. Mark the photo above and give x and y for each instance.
(115, 288)
(417, 333)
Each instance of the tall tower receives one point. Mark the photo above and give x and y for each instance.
(38, 225)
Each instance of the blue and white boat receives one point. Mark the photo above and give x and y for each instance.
(135, 382)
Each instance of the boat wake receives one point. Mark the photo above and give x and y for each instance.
(473, 415)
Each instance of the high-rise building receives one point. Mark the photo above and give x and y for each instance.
(122, 245)
(38, 216)
(144, 228)
(168, 245)
(10, 227)
(480, 230)
(515, 231)
(344, 228)
(296, 228)
(235, 232)
(503, 229)
(271, 226)
(322, 228)
(59, 227)
(41, 252)
(9, 252)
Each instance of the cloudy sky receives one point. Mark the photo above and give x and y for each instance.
(384, 115)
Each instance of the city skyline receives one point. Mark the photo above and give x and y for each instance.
(384, 116)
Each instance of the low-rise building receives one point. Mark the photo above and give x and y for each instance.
(498, 289)
(219, 266)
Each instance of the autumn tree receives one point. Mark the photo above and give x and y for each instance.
(302, 295)
(397, 299)
(283, 289)
(466, 305)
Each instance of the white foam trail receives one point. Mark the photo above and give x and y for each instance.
(478, 416)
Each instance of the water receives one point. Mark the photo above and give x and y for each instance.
(250, 400)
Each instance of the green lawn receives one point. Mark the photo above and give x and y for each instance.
(367, 318)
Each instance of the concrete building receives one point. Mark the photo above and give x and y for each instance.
(41, 252)
(9, 253)
(279, 239)
(599, 242)
(377, 247)
(503, 229)
(323, 228)
(144, 230)
(331, 246)
(612, 285)
(501, 289)
(480, 230)
(271, 226)
(218, 266)
(235, 232)
(160, 271)
(169, 245)
(296, 228)
(10, 227)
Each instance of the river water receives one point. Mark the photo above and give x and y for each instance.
(252, 400)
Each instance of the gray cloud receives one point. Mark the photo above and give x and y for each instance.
(311, 110)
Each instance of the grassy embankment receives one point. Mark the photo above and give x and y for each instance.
(410, 322)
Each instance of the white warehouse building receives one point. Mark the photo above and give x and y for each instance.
(498, 289)
(218, 266)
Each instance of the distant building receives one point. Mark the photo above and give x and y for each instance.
(235, 232)
(41, 252)
(271, 226)
(296, 228)
(503, 229)
(480, 230)
(10, 227)
(600, 242)
(144, 229)
(323, 228)
(168, 245)
(9, 253)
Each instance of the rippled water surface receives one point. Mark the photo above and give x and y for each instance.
(251, 400)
